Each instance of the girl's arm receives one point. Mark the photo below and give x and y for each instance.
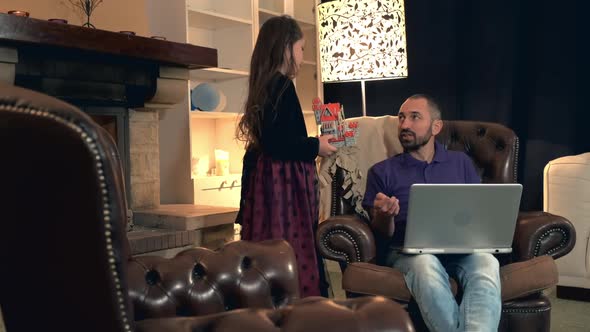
(284, 135)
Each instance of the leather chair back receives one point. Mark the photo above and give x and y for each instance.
(64, 238)
(492, 147)
(200, 281)
(62, 241)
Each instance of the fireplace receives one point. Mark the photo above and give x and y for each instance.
(115, 121)
(121, 81)
(136, 133)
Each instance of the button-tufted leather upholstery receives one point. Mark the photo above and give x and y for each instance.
(539, 238)
(309, 314)
(200, 281)
(65, 257)
(486, 144)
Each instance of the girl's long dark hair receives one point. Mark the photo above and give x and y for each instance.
(275, 39)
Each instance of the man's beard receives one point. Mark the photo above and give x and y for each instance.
(413, 143)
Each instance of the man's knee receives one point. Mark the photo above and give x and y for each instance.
(424, 264)
(486, 261)
(483, 264)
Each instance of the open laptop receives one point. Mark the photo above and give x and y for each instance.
(461, 218)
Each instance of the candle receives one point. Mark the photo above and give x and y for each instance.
(221, 162)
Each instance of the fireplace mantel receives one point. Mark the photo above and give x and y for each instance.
(90, 66)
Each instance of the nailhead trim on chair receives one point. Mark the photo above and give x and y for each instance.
(525, 311)
(333, 207)
(544, 235)
(356, 247)
(105, 198)
(516, 150)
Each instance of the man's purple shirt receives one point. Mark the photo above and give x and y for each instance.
(394, 176)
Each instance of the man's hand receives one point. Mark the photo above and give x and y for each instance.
(384, 209)
(386, 205)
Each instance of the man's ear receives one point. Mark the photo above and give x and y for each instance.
(437, 126)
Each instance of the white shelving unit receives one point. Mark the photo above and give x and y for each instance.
(217, 74)
(231, 27)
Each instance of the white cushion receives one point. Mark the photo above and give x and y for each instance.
(566, 193)
(377, 141)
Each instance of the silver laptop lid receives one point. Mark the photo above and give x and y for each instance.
(462, 218)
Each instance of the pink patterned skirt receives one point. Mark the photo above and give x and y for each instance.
(281, 202)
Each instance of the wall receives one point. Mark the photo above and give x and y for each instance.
(112, 15)
(168, 18)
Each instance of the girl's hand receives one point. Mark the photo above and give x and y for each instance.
(326, 149)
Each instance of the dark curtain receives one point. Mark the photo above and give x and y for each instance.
(508, 61)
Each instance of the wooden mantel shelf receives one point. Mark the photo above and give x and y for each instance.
(16, 30)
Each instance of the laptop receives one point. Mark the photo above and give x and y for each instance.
(461, 218)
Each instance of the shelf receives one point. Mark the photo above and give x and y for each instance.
(272, 5)
(207, 19)
(305, 25)
(265, 14)
(217, 74)
(309, 63)
(307, 112)
(214, 115)
(216, 177)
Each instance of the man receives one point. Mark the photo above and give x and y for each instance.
(427, 276)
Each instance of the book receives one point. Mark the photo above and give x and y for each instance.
(330, 117)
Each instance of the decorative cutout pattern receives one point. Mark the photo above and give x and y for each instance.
(361, 40)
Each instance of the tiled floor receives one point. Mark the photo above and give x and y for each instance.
(566, 315)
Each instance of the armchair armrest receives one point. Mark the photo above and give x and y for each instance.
(541, 233)
(346, 239)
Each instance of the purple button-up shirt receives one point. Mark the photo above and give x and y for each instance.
(395, 175)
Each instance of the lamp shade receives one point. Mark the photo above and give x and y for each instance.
(362, 40)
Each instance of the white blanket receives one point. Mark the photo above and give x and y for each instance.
(377, 141)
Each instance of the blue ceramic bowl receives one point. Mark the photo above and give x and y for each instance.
(205, 97)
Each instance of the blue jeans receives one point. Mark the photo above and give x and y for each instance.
(427, 277)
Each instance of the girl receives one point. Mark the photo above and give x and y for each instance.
(279, 179)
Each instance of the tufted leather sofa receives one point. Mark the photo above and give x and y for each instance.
(65, 257)
(539, 239)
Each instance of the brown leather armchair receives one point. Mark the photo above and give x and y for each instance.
(65, 257)
(347, 238)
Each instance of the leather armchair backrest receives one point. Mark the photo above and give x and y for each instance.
(492, 147)
(65, 255)
(200, 281)
(62, 241)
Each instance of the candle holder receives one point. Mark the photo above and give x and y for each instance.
(21, 13)
(58, 20)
